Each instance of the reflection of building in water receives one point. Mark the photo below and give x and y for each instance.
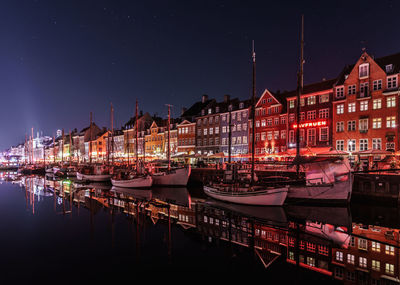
(372, 256)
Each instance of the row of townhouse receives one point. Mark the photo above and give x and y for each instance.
(356, 111)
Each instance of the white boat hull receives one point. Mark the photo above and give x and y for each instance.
(137, 182)
(100, 177)
(339, 192)
(267, 197)
(177, 177)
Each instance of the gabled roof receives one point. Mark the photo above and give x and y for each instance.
(195, 109)
(381, 61)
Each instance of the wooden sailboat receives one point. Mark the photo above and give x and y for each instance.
(328, 180)
(245, 192)
(133, 179)
(177, 176)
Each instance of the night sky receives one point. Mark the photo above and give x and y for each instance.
(59, 60)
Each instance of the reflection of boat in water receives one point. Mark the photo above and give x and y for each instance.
(266, 215)
(178, 196)
(142, 194)
(93, 185)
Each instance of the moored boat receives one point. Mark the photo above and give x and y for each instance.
(172, 177)
(328, 180)
(94, 173)
(133, 181)
(257, 195)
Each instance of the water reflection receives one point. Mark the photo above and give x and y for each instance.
(359, 245)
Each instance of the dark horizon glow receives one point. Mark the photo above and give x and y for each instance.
(60, 60)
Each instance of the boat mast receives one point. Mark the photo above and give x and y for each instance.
(90, 142)
(253, 113)
(136, 138)
(62, 148)
(299, 92)
(70, 148)
(32, 146)
(112, 134)
(169, 129)
(230, 137)
(54, 149)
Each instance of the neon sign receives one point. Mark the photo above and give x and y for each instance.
(311, 124)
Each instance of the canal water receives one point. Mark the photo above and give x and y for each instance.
(57, 229)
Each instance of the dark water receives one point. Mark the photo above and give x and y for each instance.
(59, 230)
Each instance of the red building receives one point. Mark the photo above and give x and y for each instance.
(365, 107)
(270, 124)
(315, 122)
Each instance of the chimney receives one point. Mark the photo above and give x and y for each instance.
(183, 110)
(227, 98)
(204, 98)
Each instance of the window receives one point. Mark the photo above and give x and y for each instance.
(352, 107)
(389, 268)
(363, 70)
(339, 256)
(291, 136)
(363, 105)
(391, 101)
(376, 123)
(311, 100)
(205, 132)
(392, 82)
(211, 131)
(324, 134)
(339, 127)
(291, 118)
(324, 98)
(363, 125)
(269, 122)
(324, 113)
(263, 123)
(351, 145)
(390, 122)
(376, 265)
(362, 262)
(377, 104)
(340, 109)
(216, 130)
(302, 102)
(340, 144)
(311, 261)
(291, 104)
(351, 89)
(390, 146)
(376, 144)
(377, 84)
(302, 116)
(389, 249)
(323, 250)
(364, 90)
(339, 272)
(363, 146)
(311, 115)
(276, 121)
(283, 134)
(283, 120)
(389, 68)
(311, 136)
(351, 126)
(350, 258)
(340, 92)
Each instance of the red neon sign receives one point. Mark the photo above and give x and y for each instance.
(311, 124)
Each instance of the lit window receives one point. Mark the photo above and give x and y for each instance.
(389, 268)
(362, 262)
(391, 101)
(390, 122)
(311, 100)
(340, 109)
(339, 256)
(363, 105)
(377, 104)
(350, 258)
(389, 249)
(352, 107)
(376, 265)
(376, 123)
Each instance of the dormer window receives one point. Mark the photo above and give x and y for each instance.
(217, 110)
(389, 68)
(209, 111)
(241, 105)
(230, 108)
(363, 70)
(202, 112)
